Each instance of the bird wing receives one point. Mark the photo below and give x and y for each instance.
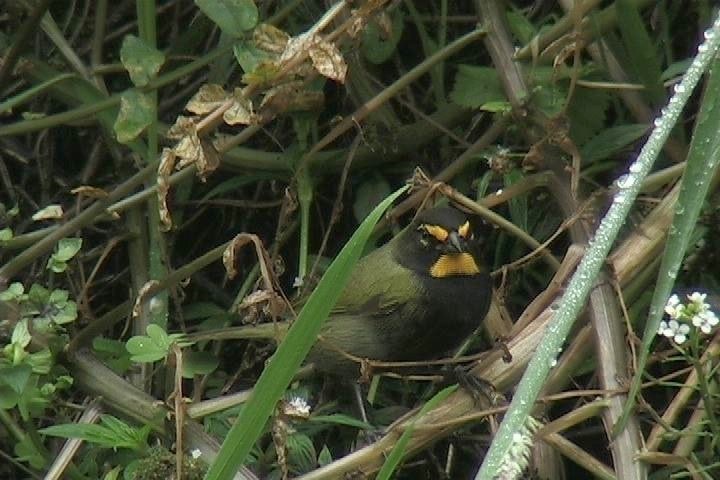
(378, 286)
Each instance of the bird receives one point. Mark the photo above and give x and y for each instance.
(412, 299)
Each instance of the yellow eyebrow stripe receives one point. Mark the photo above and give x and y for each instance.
(438, 232)
(464, 230)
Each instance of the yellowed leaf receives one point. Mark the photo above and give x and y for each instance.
(270, 39)
(51, 212)
(241, 111)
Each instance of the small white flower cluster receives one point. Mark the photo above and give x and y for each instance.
(518, 457)
(695, 312)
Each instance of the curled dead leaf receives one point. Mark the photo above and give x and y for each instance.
(149, 289)
(90, 192)
(167, 165)
(328, 61)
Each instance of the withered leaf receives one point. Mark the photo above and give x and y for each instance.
(328, 61)
(208, 98)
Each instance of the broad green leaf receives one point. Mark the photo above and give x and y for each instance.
(13, 292)
(643, 55)
(378, 44)
(611, 141)
(198, 363)
(248, 56)
(111, 433)
(234, 17)
(367, 196)
(276, 377)
(301, 453)
(476, 86)
(141, 61)
(15, 376)
(136, 113)
(67, 248)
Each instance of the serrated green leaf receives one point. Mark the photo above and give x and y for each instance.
(234, 17)
(136, 113)
(475, 86)
(141, 61)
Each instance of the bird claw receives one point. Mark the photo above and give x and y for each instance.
(481, 390)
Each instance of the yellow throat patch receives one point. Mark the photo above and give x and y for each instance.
(454, 264)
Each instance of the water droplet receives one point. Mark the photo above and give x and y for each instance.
(499, 192)
(702, 48)
(625, 181)
(658, 122)
(554, 307)
(634, 167)
(553, 362)
(679, 88)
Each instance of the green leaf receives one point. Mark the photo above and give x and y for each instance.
(369, 194)
(248, 56)
(14, 292)
(66, 250)
(234, 17)
(149, 348)
(137, 111)
(6, 234)
(378, 45)
(26, 451)
(141, 61)
(21, 334)
(111, 433)
(276, 377)
(475, 86)
(301, 453)
(341, 419)
(198, 363)
(643, 54)
(8, 397)
(15, 376)
(587, 113)
(324, 457)
(611, 141)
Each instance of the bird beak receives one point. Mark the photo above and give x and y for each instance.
(455, 243)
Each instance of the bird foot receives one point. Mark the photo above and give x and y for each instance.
(481, 390)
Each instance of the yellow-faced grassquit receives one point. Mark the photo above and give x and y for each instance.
(414, 298)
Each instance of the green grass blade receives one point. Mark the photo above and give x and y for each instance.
(277, 375)
(702, 164)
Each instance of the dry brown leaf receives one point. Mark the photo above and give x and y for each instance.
(270, 39)
(51, 212)
(167, 164)
(208, 98)
(209, 161)
(90, 192)
(241, 112)
(147, 290)
(328, 61)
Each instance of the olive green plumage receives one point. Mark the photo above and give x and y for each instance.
(396, 307)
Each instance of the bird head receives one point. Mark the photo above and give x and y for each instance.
(441, 243)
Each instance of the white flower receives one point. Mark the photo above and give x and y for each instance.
(675, 330)
(299, 406)
(705, 321)
(196, 453)
(673, 307)
(698, 299)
